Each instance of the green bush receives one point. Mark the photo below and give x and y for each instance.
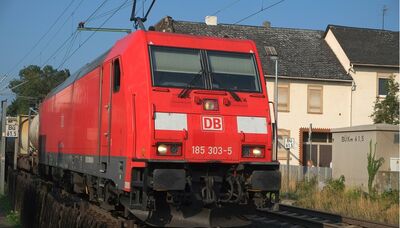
(355, 193)
(13, 218)
(335, 186)
(391, 196)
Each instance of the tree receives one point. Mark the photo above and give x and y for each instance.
(32, 86)
(373, 165)
(387, 110)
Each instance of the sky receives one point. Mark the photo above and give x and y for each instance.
(32, 32)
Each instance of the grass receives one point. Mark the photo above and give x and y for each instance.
(12, 217)
(336, 198)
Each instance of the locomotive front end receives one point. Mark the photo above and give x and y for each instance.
(211, 143)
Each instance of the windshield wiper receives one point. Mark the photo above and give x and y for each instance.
(234, 95)
(185, 92)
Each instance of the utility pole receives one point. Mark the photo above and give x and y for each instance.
(3, 145)
(384, 9)
(273, 55)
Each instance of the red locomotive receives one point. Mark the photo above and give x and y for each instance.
(164, 121)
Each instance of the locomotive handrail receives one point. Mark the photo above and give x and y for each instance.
(275, 130)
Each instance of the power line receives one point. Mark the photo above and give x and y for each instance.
(95, 11)
(72, 37)
(37, 43)
(225, 7)
(59, 48)
(65, 21)
(73, 34)
(109, 12)
(91, 35)
(259, 11)
(71, 45)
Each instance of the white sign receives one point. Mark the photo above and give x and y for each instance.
(12, 127)
(395, 164)
(289, 143)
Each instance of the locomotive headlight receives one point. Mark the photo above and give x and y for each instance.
(210, 105)
(169, 149)
(257, 152)
(162, 149)
(250, 151)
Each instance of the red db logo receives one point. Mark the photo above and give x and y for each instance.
(212, 123)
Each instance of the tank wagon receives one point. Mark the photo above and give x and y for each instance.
(161, 124)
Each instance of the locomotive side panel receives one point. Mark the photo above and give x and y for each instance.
(136, 84)
(85, 115)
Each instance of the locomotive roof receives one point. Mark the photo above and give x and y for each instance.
(303, 54)
(80, 73)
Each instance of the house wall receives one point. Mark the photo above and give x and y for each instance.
(336, 109)
(365, 80)
(338, 50)
(366, 92)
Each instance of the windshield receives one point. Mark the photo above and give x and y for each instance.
(174, 67)
(184, 68)
(233, 71)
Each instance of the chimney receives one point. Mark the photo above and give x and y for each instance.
(267, 24)
(211, 20)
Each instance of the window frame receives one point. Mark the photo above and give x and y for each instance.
(321, 89)
(206, 67)
(113, 74)
(381, 75)
(286, 86)
(203, 77)
(253, 58)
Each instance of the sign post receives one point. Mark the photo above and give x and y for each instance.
(288, 143)
(3, 146)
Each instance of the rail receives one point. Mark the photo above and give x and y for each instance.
(297, 216)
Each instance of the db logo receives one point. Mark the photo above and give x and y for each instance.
(212, 123)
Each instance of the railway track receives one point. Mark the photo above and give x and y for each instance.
(57, 208)
(291, 216)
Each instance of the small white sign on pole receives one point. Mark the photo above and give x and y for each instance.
(12, 127)
(289, 143)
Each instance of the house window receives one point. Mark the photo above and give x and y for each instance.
(383, 86)
(283, 97)
(116, 75)
(315, 99)
(282, 135)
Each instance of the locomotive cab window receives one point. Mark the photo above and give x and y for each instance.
(202, 69)
(233, 71)
(116, 75)
(176, 67)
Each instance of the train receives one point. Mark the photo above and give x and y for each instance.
(171, 129)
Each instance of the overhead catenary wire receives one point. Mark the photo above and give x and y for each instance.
(259, 11)
(108, 12)
(60, 27)
(66, 41)
(73, 35)
(91, 35)
(71, 45)
(225, 7)
(37, 43)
